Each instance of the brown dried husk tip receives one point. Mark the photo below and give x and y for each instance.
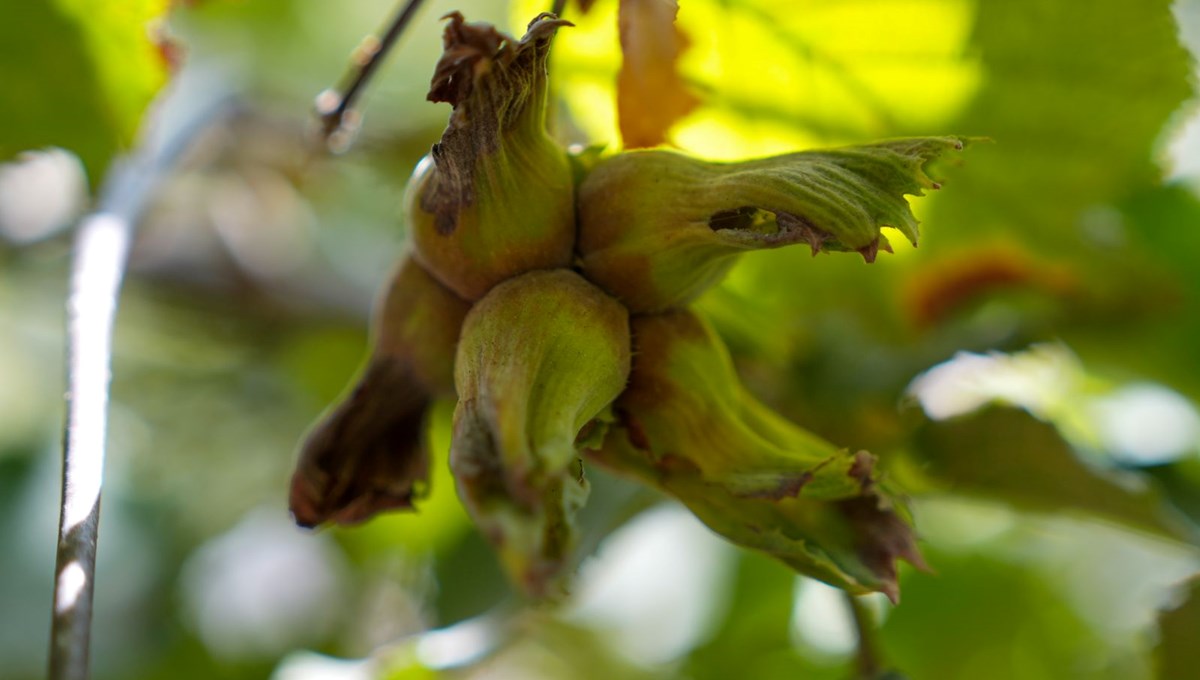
(509, 80)
(495, 197)
(368, 455)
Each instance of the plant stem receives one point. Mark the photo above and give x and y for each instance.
(867, 657)
(334, 105)
(101, 246)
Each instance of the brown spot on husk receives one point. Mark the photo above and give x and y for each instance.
(814, 236)
(789, 486)
(633, 430)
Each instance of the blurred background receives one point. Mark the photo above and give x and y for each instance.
(1029, 375)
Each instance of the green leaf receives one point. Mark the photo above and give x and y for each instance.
(753, 640)
(1076, 99)
(1077, 102)
(1007, 455)
(776, 77)
(78, 74)
(1162, 226)
(1016, 625)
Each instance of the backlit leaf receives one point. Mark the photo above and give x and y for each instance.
(1007, 455)
(111, 53)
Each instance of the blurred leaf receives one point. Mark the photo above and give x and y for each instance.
(1166, 221)
(948, 286)
(471, 580)
(1181, 483)
(1075, 118)
(651, 96)
(1072, 178)
(1015, 626)
(753, 639)
(543, 647)
(778, 77)
(106, 61)
(1006, 454)
(1177, 654)
(1162, 227)
(794, 75)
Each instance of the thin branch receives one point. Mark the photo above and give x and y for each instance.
(557, 8)
(101, 246)
(867, 658)
(334, 106)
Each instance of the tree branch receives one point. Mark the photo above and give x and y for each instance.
(334, 106)
(101, 246)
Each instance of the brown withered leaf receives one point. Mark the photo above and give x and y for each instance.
(476, 54)
(468, 52)
(651, 95)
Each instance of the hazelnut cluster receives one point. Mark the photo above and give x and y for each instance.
(550, 297)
